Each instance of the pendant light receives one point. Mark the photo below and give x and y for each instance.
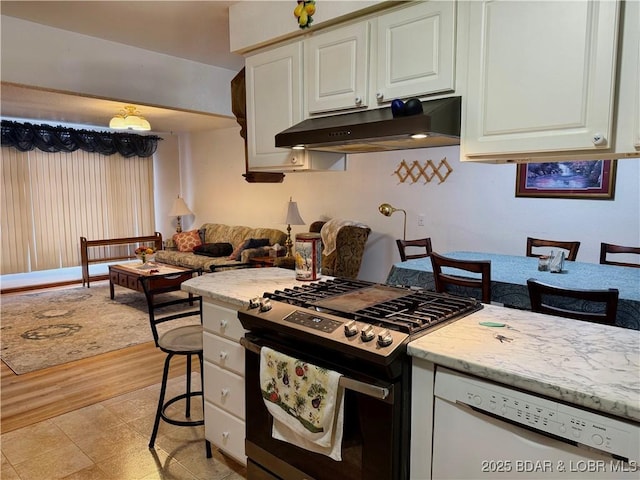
(129, 119)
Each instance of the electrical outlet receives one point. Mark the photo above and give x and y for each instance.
(421, 220)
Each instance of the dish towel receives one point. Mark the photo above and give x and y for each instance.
(330, 230)
(306, 402)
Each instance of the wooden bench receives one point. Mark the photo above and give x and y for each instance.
(85, 245)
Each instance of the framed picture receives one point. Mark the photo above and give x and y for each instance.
(592, 179)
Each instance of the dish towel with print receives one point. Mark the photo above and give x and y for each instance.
(306, 402)
(329, 232)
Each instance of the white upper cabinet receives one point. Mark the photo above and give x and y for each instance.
(541, 77)
(274, 103)
(407, 52)
(628, 118)
(336, 68)
(415, 51)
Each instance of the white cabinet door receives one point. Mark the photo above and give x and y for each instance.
(628, 118)
(415, 51)
(336, 69)
(274, 103)
(541, 76)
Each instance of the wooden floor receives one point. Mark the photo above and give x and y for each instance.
(32, 397)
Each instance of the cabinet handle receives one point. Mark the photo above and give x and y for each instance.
(225, 435)
(224, 355)
(380, 96)
(358, 101)
(223, 324)
(224, 392)
(598, 139)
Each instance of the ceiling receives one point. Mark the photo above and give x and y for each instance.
(194, 30)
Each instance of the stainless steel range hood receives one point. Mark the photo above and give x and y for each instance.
(377, 131)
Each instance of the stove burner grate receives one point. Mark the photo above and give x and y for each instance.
(403, 309)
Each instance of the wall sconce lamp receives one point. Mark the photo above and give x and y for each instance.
(293, 218)
(387, 210)
(179, 209)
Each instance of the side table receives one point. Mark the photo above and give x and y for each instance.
(262, 261)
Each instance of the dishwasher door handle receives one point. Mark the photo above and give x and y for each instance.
(384, 394)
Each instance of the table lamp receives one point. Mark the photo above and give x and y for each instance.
(293, 218)
(387, 210)
(179, 209)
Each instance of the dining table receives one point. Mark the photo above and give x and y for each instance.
(509, 275)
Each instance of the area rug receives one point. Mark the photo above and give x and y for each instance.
(40, 330)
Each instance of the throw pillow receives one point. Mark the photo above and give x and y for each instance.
(249, 243)
(213, 249)
(185, 241)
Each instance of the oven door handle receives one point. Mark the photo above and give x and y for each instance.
(379, 393)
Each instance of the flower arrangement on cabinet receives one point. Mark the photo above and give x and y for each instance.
(304, 11)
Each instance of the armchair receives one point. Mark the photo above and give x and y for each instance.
(346, 259)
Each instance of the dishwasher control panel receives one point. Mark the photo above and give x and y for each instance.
(609, 435)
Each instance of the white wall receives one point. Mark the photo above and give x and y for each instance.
(474, 209)
(41, 56)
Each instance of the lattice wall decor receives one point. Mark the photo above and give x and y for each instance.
(416, 171)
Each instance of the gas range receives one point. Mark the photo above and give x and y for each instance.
(359, 330)
(359, 318)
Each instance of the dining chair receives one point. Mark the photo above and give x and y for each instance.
(578, 304)
(420, 243)
(443, 281)
(571, 247)
(184, 340)
(606, 248)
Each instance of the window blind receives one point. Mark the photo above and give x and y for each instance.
(50, 200)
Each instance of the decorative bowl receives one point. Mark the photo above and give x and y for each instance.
(146, 258)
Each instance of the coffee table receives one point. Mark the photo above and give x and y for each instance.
(128, 275)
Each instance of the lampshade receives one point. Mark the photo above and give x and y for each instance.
(293, 218)
(179, 208)
(387, 210)
(129, 119)
(293, 215)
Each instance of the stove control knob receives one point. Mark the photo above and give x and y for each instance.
(384, 338)
(367, 334)
(265, 305)
(254, 302)
(350, 328)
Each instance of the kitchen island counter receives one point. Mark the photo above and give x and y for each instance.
(237, 287)
(581, 363)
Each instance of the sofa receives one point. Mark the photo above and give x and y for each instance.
(346, 258)
(217, 246)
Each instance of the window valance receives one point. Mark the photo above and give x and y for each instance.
(26, 136)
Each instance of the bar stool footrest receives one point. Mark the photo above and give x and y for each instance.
(180, 423)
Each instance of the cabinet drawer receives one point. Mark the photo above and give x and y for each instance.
(225, 389)
(222, 321)
(225, 432)
(224, 352)
(132, 283)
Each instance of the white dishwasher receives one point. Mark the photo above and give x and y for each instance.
(485, 430)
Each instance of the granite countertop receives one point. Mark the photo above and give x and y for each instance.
(238, 286)
(582, 363)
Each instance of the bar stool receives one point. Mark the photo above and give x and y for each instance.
(183, 340)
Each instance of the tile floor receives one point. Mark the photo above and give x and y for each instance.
(109, 440)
